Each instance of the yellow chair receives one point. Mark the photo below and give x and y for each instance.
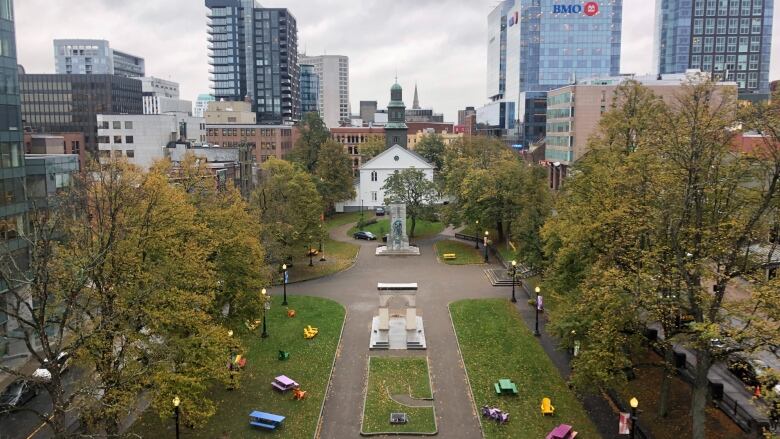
(309, 332)
(547, 407)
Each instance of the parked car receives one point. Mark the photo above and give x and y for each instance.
(19, 393)
(368, 236)
(750, 371)
(380, 211)
(63, 361)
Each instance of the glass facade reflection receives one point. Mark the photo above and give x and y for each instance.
(310, 89)
(731, 39)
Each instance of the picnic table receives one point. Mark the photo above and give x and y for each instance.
(563, 431)
(505, 385)
(269, 421)
(283, 383)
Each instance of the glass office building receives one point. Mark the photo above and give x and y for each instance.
(13, 199)
(549, 44)
(310, 89)
(253, 52)
(731, 39)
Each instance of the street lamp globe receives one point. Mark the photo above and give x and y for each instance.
(634, 403)
(176, 401)
(263, 292)
(284, 266)
(514, 263)
(487, 233)
(537, 290)
(230, 333)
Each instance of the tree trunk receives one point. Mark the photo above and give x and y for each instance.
(500, 229)
(700, 393)
(663, 399)
(414, 224)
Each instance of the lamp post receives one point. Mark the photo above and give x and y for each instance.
(322, 246)
(536, 326)
(284, 284)
(476, 236)
(311, 256)
(176, 402)
(230, 362)
(266, 307)
(486, 246)
(514, 276)
(634, 404)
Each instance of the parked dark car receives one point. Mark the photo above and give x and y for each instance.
(380, 211)
(368, 236)
(19, 393)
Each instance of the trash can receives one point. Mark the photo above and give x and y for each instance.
(716, 390)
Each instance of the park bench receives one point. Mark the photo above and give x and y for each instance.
(547, 407)
(449, 256)
(283, 383)
(505, 385)
(309, 332)
(398, 418)
(269, 421)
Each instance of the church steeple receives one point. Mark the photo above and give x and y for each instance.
(416, 103)
(396, 129)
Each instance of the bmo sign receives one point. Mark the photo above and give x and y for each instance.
(589, 8)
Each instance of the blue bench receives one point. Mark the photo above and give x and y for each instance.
(269, 421)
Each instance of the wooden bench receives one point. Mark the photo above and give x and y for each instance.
(449, 256)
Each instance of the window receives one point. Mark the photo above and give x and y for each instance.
(373, 196)
(128, 139)
(374, 176)
(741, 80)
(733, 25)
(753, 64)
(757, 7)
(755, 43)
(731, 62)
(104, 125)
(6, 10)
(743, 44)
(732, 44)
(719, 61)
(130, 153)
(117, 125)
(742, 62)
(706, 63)
(720, 44)
(708, 44)
(710, 7)
(752, 80)
(709, 28)
(722, 25)
(744, 26)
(733, 7)
(699, 7)
(129, 125)
(696, 44)
(745, 7)
(117, 139)
(696, 61)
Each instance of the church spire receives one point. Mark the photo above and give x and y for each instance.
(416, 103)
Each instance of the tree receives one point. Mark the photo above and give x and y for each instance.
(374, 146)
(120, 279)
(289, 207)
(312, 136)
(333, 175)
(431, 147)
(535, 207)
(660, 219)
(412, 187)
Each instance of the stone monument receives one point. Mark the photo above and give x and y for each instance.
(397, 240)
(402, 330)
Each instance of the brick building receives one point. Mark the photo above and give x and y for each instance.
(265, 140)
(353, 137)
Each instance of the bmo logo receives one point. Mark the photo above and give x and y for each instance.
(589, 8)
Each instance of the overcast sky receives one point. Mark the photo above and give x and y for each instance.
(439, 44)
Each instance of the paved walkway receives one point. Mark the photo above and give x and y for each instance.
(439, 284)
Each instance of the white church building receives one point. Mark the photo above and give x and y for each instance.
(376, 171)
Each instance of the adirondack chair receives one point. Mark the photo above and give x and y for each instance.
(299, 394)
(283, 355)
(309, 332)
(291, 313)
(547, 407)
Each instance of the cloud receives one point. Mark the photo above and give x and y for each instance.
(439, 44)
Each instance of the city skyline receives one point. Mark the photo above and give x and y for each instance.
(440, 46)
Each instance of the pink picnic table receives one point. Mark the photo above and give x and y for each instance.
(563, 431)
(283, 383)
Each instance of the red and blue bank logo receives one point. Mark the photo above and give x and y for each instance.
(588, 8)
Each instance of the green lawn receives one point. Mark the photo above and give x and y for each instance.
(309, 364)
(339, 256)
(495, 343)
(466, 254)
(397, 376)
(423, 230)
(340, 219)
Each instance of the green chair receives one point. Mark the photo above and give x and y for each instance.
(283, 355)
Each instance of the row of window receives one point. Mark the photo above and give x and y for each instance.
(246, 132)
(735, 25)
(726, 44)
(116, 140)
(117, 153)
(117, 125)
(727, 7)
(708, 63)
